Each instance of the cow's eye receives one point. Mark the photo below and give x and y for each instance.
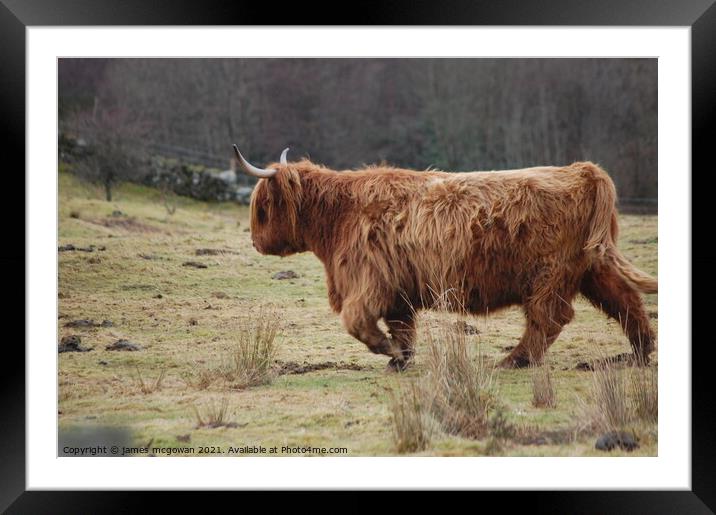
(261, 215)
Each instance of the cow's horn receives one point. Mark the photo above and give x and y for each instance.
(283, 156)
(251, 169)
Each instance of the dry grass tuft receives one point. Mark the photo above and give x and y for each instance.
(456, 394)
(201, 378)
(543, 393)
(215, 414)
(149, 387)
(609, 402)
(411, 428)
(459, 385)
(645, 393)
(251, 359)
(621, 396)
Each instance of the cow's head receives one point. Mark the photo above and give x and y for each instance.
(275, 207)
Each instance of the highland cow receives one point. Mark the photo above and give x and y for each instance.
(391, 238)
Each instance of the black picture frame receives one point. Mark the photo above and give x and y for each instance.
(700, 15)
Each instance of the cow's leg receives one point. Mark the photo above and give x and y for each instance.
(402, 331)
(606, 290)
(362, 324)
(546, 312)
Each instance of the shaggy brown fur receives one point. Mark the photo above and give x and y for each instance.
(391, 239)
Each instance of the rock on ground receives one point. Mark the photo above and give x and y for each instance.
(72, 343)
(614, 439)
(124, 345)
(285, 274)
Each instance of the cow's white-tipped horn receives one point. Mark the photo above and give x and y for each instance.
(251, 169)
(283, 156)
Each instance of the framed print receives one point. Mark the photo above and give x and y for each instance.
(355, 312)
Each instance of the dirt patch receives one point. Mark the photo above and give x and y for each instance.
(126, 223)
(292, 367)
(285, 274)
(214, 425)
(123, 345)
(152, 257)
(70, 248)
(84, 322)
(626, 358)
(645, 241)
(194, 264)
(142, 287)
(214, 252)
(466, 328)
(536, 436)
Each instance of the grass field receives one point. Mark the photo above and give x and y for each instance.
(187, 319)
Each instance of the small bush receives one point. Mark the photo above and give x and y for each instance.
(411, 432)
(543, 394)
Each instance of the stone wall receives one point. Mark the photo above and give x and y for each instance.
(195, 181)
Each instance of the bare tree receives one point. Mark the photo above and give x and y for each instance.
(114, 148)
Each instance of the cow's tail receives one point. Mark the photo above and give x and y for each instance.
(601, 241)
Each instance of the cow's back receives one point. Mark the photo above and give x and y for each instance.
(481, 235)
(485, 234)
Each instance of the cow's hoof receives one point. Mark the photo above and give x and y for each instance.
(397, 365)
(386, 347)
(514, 362)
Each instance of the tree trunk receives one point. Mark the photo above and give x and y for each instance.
(108, 190)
